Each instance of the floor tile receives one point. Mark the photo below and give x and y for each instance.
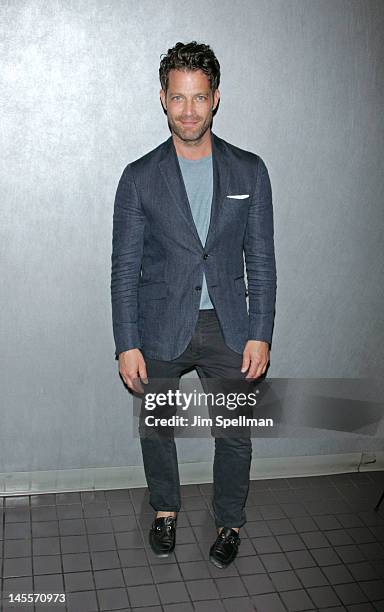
(300, 558)
(323, 596)
(76, 562)
(83, 601)
(257, 529)
(45, 529)
(193, 570)
(304, 523)
(49, 583)
(285, 581)
(350, 554)
(17, 530)
(327, 522)
(78, 581)
(112, 578)
(136, 576)
(20, 566)
(312, 577)
(238, 604)
(275, 562)
(362, 571)
(43, 499)
(374, 589)
(72, 544)
(249, 565)
(143, 596)
(47, 564)
(297, 601)
(72, 511)
(337, 574)
(202, 589)
(186, 607)
(231, 586)
(129, 558)
(325, 556)
(268, 603)
(107, 559)
(67, 498)
(315, 539)
(266, 545)
(188, 552)
(48, 546)
(16, 585)
(112, 599)
(290, 542)
(257, 584)
(172, 592)
(350, 593)
(71, 527)
(17, 548)
(169, 572)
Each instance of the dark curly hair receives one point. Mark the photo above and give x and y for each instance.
(190, 56)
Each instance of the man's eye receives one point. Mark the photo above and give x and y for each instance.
(177, 98)
(201, 98)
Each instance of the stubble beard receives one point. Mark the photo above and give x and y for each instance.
(187, 135)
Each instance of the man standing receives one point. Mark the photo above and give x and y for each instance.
(185, 215)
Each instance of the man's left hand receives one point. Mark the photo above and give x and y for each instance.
(256, 358)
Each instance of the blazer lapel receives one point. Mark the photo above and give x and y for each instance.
(170, 169)
(220, 183)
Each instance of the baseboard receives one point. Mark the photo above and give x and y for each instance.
(91, 479)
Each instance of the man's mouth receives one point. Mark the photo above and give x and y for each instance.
(189, 122)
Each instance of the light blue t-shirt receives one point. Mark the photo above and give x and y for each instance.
(198, 181)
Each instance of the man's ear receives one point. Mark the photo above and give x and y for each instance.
(163, 99)
(216, 98)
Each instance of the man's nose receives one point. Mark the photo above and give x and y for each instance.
(189, 107)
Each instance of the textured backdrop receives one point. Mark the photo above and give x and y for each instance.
(302, 85)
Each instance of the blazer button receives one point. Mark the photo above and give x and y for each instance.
(205, 256)
(198, 288)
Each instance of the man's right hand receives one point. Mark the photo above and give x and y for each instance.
(132, 368)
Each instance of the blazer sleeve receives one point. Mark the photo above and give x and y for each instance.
(127, 251)
(260, 259)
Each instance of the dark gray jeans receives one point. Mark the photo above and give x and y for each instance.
(214, 362)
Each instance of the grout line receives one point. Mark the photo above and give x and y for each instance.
(61, 557)
(2, 556)
(89, 550)
(145, 548)
(117, 549)
(31, 548)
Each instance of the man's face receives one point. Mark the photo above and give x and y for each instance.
(188, 102)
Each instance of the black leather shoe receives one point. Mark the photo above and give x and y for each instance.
(224, 550)
(162, 535)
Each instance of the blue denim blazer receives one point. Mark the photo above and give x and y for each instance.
(158, 259)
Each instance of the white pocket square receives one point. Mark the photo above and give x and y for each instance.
(239, 197)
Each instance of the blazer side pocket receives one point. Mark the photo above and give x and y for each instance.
(240, 286)
(153, 291)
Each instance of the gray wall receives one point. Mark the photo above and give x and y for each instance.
(302, 85)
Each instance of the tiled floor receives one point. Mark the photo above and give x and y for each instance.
(309, 544)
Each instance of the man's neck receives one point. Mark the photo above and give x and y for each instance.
(193, 150)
